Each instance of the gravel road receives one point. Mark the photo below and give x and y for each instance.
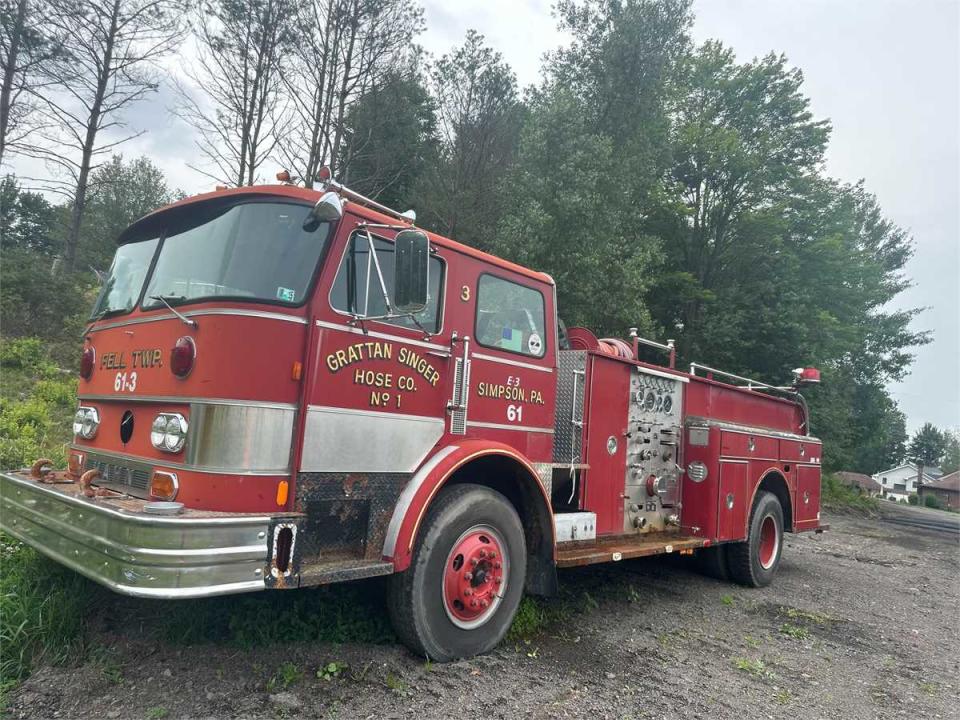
(861, 622)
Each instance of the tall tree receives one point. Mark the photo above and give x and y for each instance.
(346, 50)
(478, 122)
(236, 106)
(951, 455)
(27, 219)
(27, 43)
(392, 140)
(743, 136)
(121, 192)
(927, 446)
(112, 46)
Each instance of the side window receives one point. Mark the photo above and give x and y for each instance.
(510, 317)
(357, 290)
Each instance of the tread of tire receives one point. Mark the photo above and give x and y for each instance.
(399, 587)
(739, 562)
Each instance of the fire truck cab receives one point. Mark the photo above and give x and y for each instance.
(283, 387)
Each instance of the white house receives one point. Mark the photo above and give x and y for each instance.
(901, 482)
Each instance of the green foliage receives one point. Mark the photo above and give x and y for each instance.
(44, 610)
(950, 462)
(932, 501)
(287, 674)
(36, 405)
(913, 499)
(27, 220)
(837, 496)
(927, 446)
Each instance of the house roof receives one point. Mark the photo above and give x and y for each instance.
(854, 479)
(929, 473)
(950, 482)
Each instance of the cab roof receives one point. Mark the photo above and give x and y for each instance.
(311, 196)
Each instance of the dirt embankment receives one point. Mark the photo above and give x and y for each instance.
(862, 622)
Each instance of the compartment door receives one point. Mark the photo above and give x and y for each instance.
(733, 500)
(807, 502)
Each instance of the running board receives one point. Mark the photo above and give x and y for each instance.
(626, 548)
(324, 573)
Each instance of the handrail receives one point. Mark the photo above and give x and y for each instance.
(330, 184)
(669, 347)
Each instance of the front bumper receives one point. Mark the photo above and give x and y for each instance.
(111, 541)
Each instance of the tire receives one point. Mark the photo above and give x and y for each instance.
(712, 562)
(471, 543)
(754, 563)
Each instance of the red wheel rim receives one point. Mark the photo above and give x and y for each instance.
(475, 577)
(769, 542)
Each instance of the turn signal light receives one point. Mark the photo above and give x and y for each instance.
(182, 355)
(87, 361)
(164, 485)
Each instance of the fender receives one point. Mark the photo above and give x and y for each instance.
(773, 471)
(427, 481)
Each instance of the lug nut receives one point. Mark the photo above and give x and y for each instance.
(468, 592)
(473, 603)
(474, 562)
(468, 576)
(497, 581)
(493, 554)
(497, 566)
(484, 603)
(483, 553)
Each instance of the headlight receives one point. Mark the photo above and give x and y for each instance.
(169, 432)
(86, 422)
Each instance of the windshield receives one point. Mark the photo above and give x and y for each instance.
(248, 251)
(125, 278)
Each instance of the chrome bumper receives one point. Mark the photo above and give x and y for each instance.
(193, 555)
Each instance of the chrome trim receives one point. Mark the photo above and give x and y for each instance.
(252, 439)
(500, 426)
(134, 553)
(177, 400)
(346, 440)
(517, 363)
(406, 499)
(445, 349)
(164, 463)
(200, 313)
(747, 430)
(643, 370)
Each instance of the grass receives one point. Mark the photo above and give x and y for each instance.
(286, 675)
(794, 631)
(757, 668)
(834, 495)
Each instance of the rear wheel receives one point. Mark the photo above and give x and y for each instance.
(461, 591)
(754, 562)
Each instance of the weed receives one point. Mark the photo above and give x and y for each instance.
(809, 616)
(794, 631)
(286, 675)
(757, 668)
(727, 599)
(156, 713)
(751, 641)
(397, 686)
(331, 670)
(929, 688)
(783, 697)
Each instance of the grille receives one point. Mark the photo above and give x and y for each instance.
(119, 472)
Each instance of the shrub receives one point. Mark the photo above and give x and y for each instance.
(21, 352)
(834, 494)
(912, 499)
(931, 501)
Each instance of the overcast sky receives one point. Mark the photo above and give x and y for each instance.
(885, 72)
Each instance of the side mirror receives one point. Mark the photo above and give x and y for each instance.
(411, 271)
(329, 208)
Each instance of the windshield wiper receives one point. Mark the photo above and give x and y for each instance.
(183, 318)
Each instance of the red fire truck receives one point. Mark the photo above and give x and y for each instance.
(283, 387)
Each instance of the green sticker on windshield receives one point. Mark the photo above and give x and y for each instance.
(286, 294)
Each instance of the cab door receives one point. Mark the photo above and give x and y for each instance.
(511, 383)
(377, 396)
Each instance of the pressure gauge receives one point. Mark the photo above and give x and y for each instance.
(667, 403)
(651, 402)
(659, 402)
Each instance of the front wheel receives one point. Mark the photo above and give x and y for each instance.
(459, 595)
(754, 562)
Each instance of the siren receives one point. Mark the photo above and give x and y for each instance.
(806, 376)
